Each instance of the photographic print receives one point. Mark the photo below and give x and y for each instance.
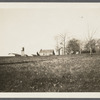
(49, 47)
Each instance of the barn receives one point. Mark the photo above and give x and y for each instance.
(14, 54)
(46, 52)
(19, 55)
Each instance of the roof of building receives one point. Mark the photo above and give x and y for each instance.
(46, 51)
(14, 54)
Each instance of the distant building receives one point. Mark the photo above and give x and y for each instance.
(34, 55)
(77, 52)
(22, 52)
(14, 54)
(97, 48)
(19, 55)
(46, 52)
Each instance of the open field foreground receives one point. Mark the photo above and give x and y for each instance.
(70, 73)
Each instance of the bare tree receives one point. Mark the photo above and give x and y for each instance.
(90, 39)
(81, 45)
(58, 47)
(61, 43)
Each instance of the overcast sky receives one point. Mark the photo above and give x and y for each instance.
(35, 25)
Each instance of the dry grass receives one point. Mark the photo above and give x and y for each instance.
(72, 73)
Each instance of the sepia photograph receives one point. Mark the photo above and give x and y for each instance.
(49, 47)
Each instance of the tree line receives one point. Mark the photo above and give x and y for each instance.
(74, 46)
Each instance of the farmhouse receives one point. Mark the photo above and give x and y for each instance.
(46, 52)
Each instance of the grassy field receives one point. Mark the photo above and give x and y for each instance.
(70, 73)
